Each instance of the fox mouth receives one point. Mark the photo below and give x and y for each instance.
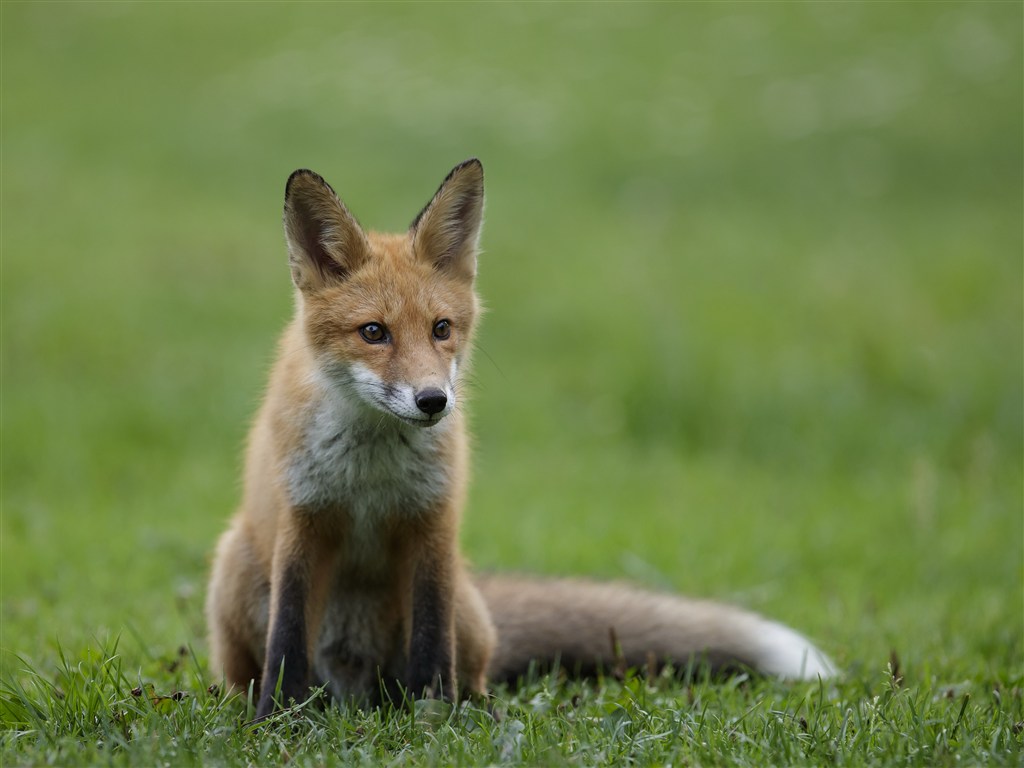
(426, 421)
(420, 420)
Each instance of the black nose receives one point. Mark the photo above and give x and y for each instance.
(431, 401)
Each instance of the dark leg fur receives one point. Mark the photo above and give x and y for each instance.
(431, 669)
(287, 646)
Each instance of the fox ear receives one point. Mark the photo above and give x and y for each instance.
(325, 242)
(447, 231)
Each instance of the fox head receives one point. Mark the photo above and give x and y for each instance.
(389, 317)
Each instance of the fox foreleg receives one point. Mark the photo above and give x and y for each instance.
(431, 667)
(298, 586)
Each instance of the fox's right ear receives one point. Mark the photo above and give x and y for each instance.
(325, 242)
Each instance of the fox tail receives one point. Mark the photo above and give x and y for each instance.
(585, 626)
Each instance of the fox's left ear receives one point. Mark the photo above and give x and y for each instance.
(447, 231)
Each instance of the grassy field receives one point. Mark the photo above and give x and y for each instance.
(754, 278)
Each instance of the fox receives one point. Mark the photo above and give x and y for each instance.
(341, 568)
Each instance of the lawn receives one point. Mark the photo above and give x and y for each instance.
(754, 277)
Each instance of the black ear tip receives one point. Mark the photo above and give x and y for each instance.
(471, 167)
(301, 175)
(473, 163)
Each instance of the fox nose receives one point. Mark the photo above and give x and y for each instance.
(431, 400)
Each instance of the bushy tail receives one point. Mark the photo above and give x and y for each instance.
(576, 622)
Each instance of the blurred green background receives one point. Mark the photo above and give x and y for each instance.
(754, 278)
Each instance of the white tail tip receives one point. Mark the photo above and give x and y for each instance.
(786, 653)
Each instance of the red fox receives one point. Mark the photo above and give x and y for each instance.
(341, 567)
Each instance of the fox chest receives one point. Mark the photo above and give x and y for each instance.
(375, 470)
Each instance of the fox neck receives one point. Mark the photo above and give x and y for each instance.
(367, 463)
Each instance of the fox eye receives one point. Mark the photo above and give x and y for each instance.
(374, 333)
(442, 330)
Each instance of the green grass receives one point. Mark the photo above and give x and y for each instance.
(108, 713)
(754, 278)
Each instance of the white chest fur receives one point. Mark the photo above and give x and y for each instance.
(368, 463)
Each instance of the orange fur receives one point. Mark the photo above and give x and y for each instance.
(341, 566)
(342, 561)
